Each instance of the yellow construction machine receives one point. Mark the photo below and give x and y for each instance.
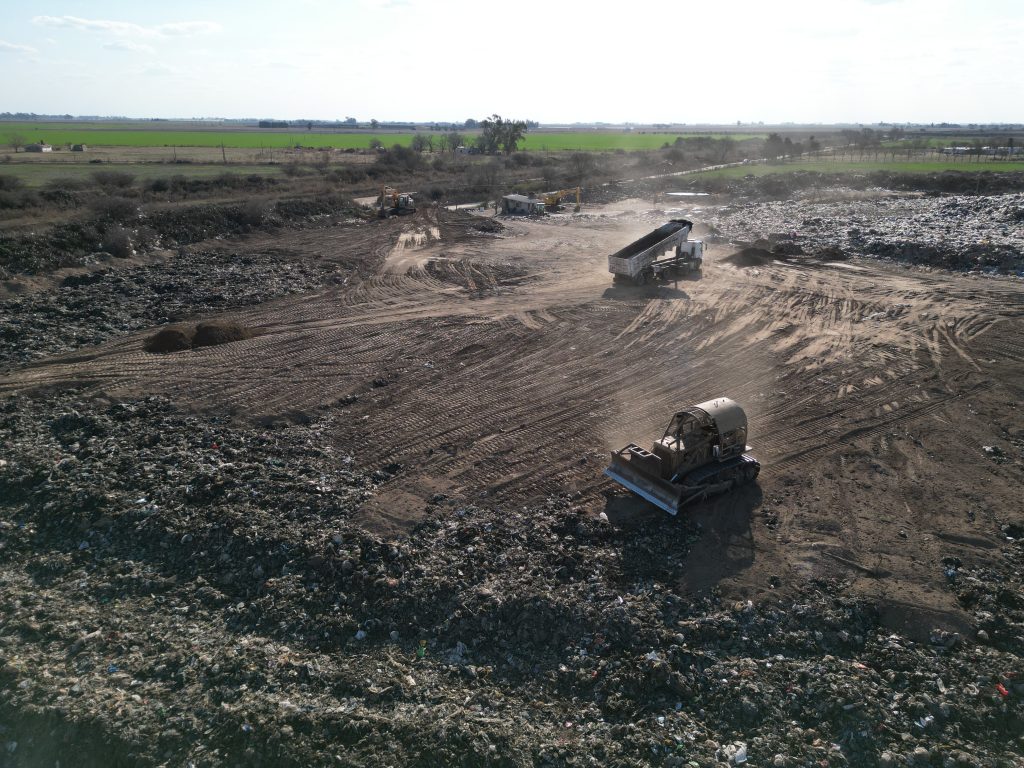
(701, 453)
(552, 200)
(394, 203)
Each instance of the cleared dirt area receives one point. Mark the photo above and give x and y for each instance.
(483, 369)
(504, 369)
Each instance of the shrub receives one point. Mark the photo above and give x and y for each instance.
(226, 179)
(401, 158)
(295, 169)
(114, 208)
(252, 213)
(146, 237)
(10, 183)
(117, 241)
(61, 197)
(114, 179)
(159, 185)
(67, 183)
(11, 200)
(346, 175)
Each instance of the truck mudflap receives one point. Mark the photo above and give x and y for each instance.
(671, 497)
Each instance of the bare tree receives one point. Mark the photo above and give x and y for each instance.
(581, 165)
(723, 149)
(16, 141)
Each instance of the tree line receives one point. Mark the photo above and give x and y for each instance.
(497, 135)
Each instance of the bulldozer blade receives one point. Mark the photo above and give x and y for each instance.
(660, 493)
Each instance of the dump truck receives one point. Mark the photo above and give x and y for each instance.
(394, 203)
(702, 452)
(640, 262)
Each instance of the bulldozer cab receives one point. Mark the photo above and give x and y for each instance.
(715, 430)
(687, 426)
(701, 451)
(688, 441)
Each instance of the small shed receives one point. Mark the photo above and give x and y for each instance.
(78, 147)
(42, 146)
(521, 205)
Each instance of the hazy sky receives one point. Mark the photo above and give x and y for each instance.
(552, 61)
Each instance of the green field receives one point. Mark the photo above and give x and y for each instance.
(938, 142)
(825, 166)
(107, 137)
(40, 174)
(604, 141)
(102, 135)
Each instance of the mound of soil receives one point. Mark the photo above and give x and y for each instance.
(832, 253)
(169, 340)
(486, 225)
(749, 257)
(211, 334)
(176, 339)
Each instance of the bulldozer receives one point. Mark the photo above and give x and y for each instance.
(391, 202)
(553, 200)
(702, 452)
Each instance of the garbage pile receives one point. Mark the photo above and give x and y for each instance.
(91, 308)
(788, 180)
(970, 233)
(87, 239)
(180, 589)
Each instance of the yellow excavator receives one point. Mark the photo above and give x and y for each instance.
(552, 200)
(391, 202)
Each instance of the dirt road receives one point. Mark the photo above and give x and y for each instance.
(497, 370)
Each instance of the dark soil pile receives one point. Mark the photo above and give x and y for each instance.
(489, 226)
(169, 340)
(749, 257)
(176, 339)
(211, 334)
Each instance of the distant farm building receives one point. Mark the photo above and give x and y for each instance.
(40, 147)
(521, 205)
(78, 147)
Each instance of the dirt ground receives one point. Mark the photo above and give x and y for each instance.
(505, 369)
(498, 369)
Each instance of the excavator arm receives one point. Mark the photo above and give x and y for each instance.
(552, 199)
